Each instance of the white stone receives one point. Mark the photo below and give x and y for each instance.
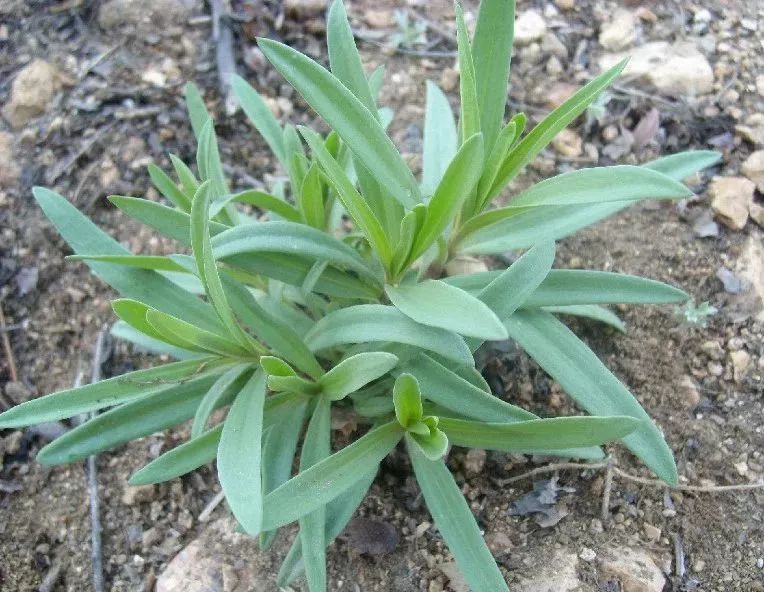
(633, 568)
(620, 32)
(674, 69)
(529, 27)
(31, 92)
(558, 573)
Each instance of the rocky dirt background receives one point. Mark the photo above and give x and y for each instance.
(92, 91)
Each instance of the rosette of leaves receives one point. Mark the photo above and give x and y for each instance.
(331, 297)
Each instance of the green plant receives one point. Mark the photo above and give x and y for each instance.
(331, 302)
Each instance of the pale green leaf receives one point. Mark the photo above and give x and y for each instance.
(355, 372)
(440, 138)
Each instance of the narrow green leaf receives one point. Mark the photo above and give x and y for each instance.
(407, 400)
(409, 229)
(368, 323)
(344, 59)
(585, 378)
(154, 262)
(538, 434)
(457, 183)
(316, 447)
(146, 344)
(455, 522)
(106, 393)
(682, 165)
(85, 238)
(354, 204)
(260, 115)
(512, 288)
(491, 52)
(156, 411)
(195, 337)
(344, 113)
(440, 138)
(590, 311)
(189, 183)
(552, 124)
(294, 239)
(231, 381)
(328, 479)
(376, 80)
(167, 187)
(437, 304)
(504, 141)
(182, 459)
(197, 110)
(355, 372)
(446, 388)
(169, 222)
(565, 287)
(266, 201)
(239, 455)
(469, 121)
(338, 514)
(520, 229)
(312, 199)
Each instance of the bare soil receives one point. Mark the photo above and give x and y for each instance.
(108, 122)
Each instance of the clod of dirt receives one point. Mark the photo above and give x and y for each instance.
(568, 143)
(730, 198)
(677, 69)
(144, 16)
(33, 88)
(620, 32)
(9, 170)
(633, 568)
(557, 573)
(370, 537)
(753, 168)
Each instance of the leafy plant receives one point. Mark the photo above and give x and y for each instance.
(337, 301)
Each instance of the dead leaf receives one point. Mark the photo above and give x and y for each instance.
(646, 129)
(542, 503)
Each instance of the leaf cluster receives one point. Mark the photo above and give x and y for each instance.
(332, 297)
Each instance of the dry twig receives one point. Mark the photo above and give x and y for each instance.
(222, 35)
(7, 347)
(49, 582)
(205, 514)
(96, 551)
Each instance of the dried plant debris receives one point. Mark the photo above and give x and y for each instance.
(542, 503)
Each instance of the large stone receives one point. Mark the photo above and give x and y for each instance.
(730, 200)
(9, 170)
(633, 568)
(752, 129)
(750, 267)
(674, 69)
(753, 168)
(620, 31)
(145, 16)
(220, 560)
(529, 27)
(32, 90)
(557, 573)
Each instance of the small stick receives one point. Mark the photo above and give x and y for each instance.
(205, 514)
(49, 582)
(96, 551)
(679, 564)
(222, 35)
(551, 468)
(7, 347)
(608, 488)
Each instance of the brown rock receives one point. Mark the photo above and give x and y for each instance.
(565, 4)
(752, 129)
(305, 8)
(474, 461)
(730, 198)
(379, 19)
(558, 93)
(753, 168)
(32, 90)
(137, 495)
(633, 568)
(689, 391)
(9, 170)
(568, 143)
(449, 79)
(741, 363)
